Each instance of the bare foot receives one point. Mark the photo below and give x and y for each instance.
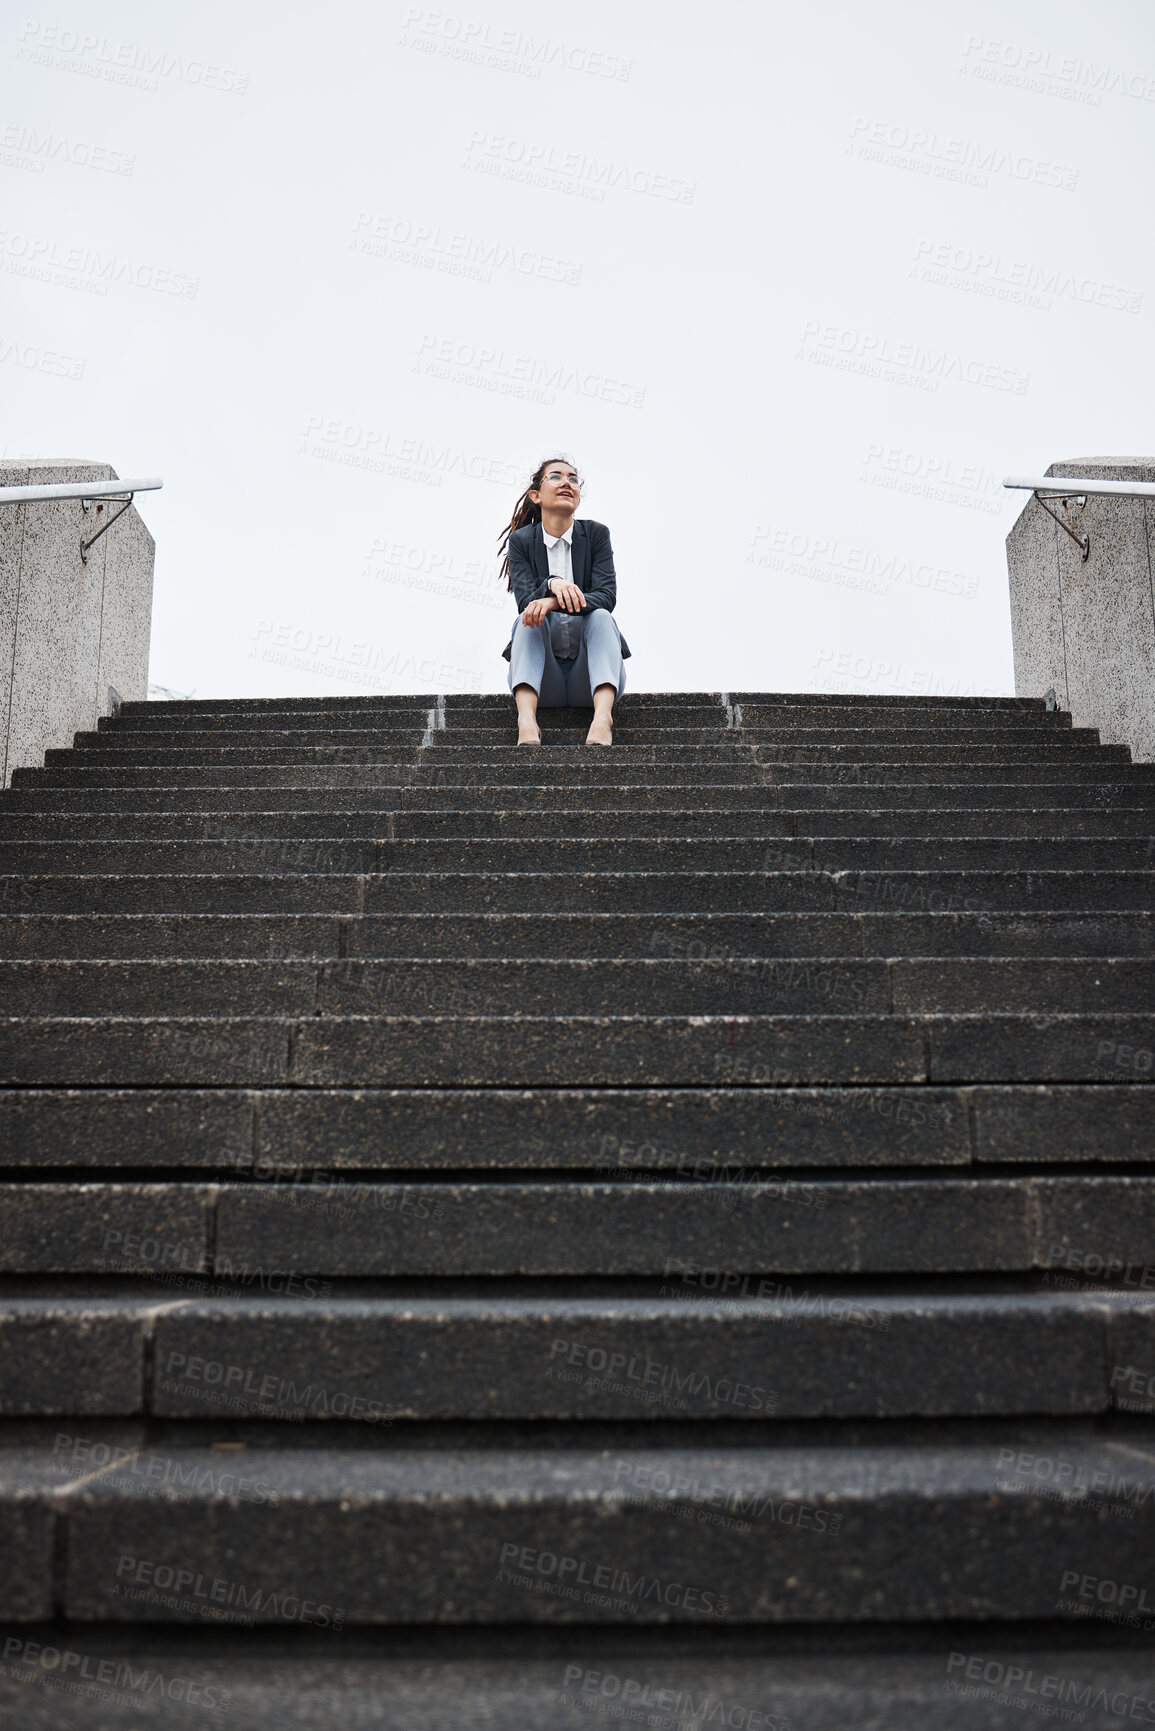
(528, 733)
(601, 731)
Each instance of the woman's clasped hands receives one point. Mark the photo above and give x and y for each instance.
(566, 596)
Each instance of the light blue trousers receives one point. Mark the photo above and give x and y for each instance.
(568, 680)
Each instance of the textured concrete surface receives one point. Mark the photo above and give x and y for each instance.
(1036, 607)
(279, 1141)
(69, 1356)
(826, 1353)
(929, 1526)
(90, 1127)
(1087, 628)
(459, 1049)
(754, 937)
(714, 1217)
(289, 856)
(706, 1131)
(255, 1342)
(82, 1227)
(68, 630)
(55, 667)
(943, 816)
(11, 539)
(619, 1228)
(527, 1679)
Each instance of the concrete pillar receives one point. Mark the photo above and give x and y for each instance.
(1086, 628)
(73, 636)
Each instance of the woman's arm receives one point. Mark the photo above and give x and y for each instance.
(601, 588)
(526, 587)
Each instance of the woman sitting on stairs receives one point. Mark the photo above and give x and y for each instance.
(565, 647)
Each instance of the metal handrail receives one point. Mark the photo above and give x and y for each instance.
(1065, 487)
(86, 492)
(75, 490)
(1072, 486)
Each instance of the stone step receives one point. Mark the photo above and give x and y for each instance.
(578, 854)
(423, 824)
(694, 1236)
(765, 737)
(662, 892)
(328, 781)
(97, 801)
(500, 701)
(192, 1346)
(767, 1352)
(392, 740)
(856, 1678)
(407, 721)
(566, 1051)
(1073, 804)
(691, 937)
(545, 986)
(234, 937)
(651, 712)
(836, 801)
(494, 759)
(705, 1134)
(818, 1524)
(841, 798)
(453, 822)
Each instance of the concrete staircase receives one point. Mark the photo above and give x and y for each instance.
(496, 1236)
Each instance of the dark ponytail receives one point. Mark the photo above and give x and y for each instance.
(525, 511)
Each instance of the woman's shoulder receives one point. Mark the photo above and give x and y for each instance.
(590, 527)
(525, 534)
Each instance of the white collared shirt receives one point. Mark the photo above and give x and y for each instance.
(565, 629)
(559, 551)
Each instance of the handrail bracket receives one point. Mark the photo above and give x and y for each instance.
(1082, 542)
(86, 506)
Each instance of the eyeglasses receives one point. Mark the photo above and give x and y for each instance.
(562, 475)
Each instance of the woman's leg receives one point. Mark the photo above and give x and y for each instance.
(526, 665)
(598, 676)
(528, 732)
(534, 675)
(602, 726)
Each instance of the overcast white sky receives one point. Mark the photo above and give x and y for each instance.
(796, 286)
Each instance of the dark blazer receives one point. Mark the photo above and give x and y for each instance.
(592, 558)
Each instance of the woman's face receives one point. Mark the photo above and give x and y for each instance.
(560, 488)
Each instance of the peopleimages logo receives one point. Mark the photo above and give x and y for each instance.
(875, 355)
(478, 41)
(669, 1709)
(243, 1386)
(145, 1579)
(1023, 1686)
(1016, 280)
(924, 151)
(73, 1673)
(24, 147)
(385, 452)
(798, 553)
(38, 360)
(1127, 1600)
(653, 1375)
(1034, 68)
(569, 1573)
(130, 63)
(400, 241)
(492, 369)
(82, 267)
(521, 159)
